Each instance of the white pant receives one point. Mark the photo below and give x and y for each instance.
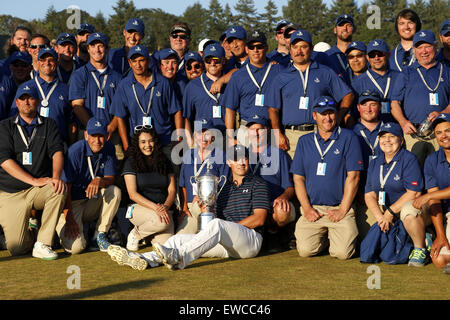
(220, 239)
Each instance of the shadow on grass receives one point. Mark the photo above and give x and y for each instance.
(97, 292)
(9, 257)
(209, 262)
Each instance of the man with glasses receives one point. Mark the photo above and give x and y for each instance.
(407, 24)
(37, 42)
(281, 53)
(236, 37)
(83, 32)
(422, 92)
(248, 86)
(356, 57)
(194, 65)
(66, 47)
(444, 54)
(333, 159)
(180, 39)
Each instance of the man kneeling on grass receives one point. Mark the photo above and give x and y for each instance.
(241, 211)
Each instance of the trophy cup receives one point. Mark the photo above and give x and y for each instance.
(207, 185)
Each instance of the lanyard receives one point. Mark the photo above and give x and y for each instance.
(413, 58)
(304, 79)
(388, 84)
(259, 86)
(123, 66)
(368, 142)
(93, 173)
(60, 75)
(27, 141)
(149, 102)
(384, 179)
(344, 66)
(98, 83)
(45, 98)
(181, 64)
(216, 99)
(197, 172)
(322, 155)
(426, 84)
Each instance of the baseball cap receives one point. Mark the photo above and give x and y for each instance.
(289, 27)
(321, 47)
(135, 24)
(214, 50)
(324, 103)
(21, 56)
(259, 120)
(140, 50)
(204, 43)
(443, 117)
(343, 18)
(369, 95)
(45, 51)
(180, 28)
(27, 88)
(166, 53)
(391, 127)
(301, 35)
(257, 36)
(424, 36)
(356, 45)
(96, 126)
(86, 27)
(97, 36)
(66, 37)
(237, 152)
(203, 124)
(445, 27)
(236, 32)
(281, 24)
(193, 56)
(377, 45)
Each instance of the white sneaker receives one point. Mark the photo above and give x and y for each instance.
(123, 257)
(132, 241)
(169, 256)
(43, 251)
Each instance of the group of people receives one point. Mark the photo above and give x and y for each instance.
(316, 143)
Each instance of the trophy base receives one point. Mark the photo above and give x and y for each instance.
(205, 219)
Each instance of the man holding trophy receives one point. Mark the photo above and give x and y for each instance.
(241, 211)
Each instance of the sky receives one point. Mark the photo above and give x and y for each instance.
(31, 9)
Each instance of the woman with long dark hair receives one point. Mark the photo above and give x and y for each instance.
(150, 183)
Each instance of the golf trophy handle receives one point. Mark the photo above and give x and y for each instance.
(223, 185)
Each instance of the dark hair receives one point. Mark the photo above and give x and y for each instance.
(23, 28)
(410, 15)
(38, 35)
(156, 162)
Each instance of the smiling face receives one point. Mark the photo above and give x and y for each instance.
(390, 143)
(344, 31)
(357, 61)
(442, 133)
(326, 121)
(378, 60)
(47, 65)
(256, 52)
(21, 40)
(132, 38)
(66, 51)
(97, 51)
(425, 53)
(169, 67)
(139, 64)
(146, 143)
(193, 69)
(95, 141)
(300, 52)
(406, 28)
(239, 167)
(369, 110)
(27, 105)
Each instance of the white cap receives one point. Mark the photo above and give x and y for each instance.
(321, 47)
(201, 44)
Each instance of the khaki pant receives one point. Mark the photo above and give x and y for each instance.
(422, 149)
(190, 224)
(15, 210)
(103, 208)
(293, 136)
(146, 223)
(314, 237)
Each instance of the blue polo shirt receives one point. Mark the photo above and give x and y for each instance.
(281, 58)
(8, 90)
(233, 63)
(164, 104)
(363, 83)
(441, 58)
(218, 168)
(399, 52)
(76, 169)
(410, 89)
(83, 86)
(118, 61)
(273, 165)
(59, 106)
(65, 76)
(344, 156)
(437, 174)
(406, 175)
(198, 104)
(343, 71)
(241, 90)
(287, 88)
(371, 136)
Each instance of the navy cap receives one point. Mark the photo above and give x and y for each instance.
(356, 45)
(289, 27)
(97, 36)
(369, 95)
(237, 152)
(344, 18)
(257, 36)
(140, 50)
(443, 117)
(86, 27)
(214, 50)
(258, 119)
(324, 103)
(166, 53)
(193, 56)
(281, 24)
(391, 127)
(66, 37)
(301, 35)
(223, 36)
(45, 51)
(95, 126)
(236, 32)
(424, 36)
(377, 45)
(29, 89)
(445, 27)
(21, 56)
(135, 24)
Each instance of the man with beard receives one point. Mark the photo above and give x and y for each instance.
(19, 41)
(83, 32)
(444, 54)
(66, 46)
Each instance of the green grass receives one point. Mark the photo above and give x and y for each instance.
(281, 276)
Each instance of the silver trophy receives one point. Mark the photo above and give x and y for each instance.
(207, 185)
(424, 131)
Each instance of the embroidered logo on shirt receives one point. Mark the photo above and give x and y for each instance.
(316, 80)
(336, 152)
(397, 177)
(414, 183)
(158, 94)
(245, 191)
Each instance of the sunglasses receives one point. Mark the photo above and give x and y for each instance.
(139, 128)
(181, 36)
(351, 56)
(367, 93)
(256, 46)
(209, 60)
(326, 102)
(36, 46)
(19, 64)
(374, 54)
(196, 66)
(287, 36)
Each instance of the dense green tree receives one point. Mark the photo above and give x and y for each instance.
(267, 22)
(123, 11)
(194, 16)
(246, 14)
(216, 22)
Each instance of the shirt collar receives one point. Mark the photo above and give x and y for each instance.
(254, 68)
(152, 83)
(441, 156)
(36, 121)
(43, 82)
(89, 152)
(90, 68)
(397, 156)
(334, 135)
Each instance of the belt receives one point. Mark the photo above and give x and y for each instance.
(301, 127)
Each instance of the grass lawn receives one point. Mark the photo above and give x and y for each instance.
(281, 276)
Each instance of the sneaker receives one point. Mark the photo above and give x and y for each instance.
(169, 256)
(132, 241)
(33, 223)
(417, 257)
(102, 242)
(428, 241)
(43, 251)
(123, 257)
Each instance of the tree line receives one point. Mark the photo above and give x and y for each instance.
(212, 20)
